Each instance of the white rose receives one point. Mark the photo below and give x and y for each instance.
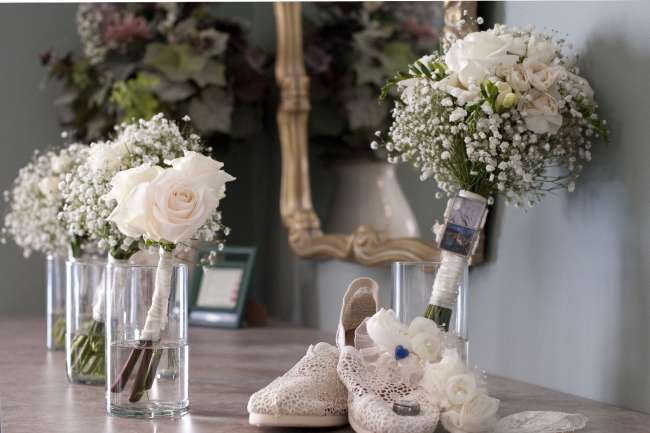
(173, 205)
(106, 156)
(436, 376)
(540, 49)
(205, 170)
(479, 55)
(49, 187)
(517, 78)
(387, 331)
(451, 85)
(583, 85)
(59, 163)
(461, 388)
(130, 218)
(540, 75)
(541, 113)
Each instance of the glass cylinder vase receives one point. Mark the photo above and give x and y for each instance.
(412, 285)
(85, 336)
(55, 287)
(148, 375)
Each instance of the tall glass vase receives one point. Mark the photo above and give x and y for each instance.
(55, 287)
(148, 375)
(412, 282)
(85, 336)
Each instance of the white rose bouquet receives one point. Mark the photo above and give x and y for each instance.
(164, 206)
(501, 112)
(34, 202)
(90, 194)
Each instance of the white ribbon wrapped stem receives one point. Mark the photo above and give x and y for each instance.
(157, 314)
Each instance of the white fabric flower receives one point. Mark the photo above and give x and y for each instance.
(540, 49)
(540, 75)
(427, 346)
(461, 388)
(421, 325)
(387, 331)
(437, 375)
(542, 114)
(477, 415)
(478, 55)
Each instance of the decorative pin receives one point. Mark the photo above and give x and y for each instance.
(401, 352)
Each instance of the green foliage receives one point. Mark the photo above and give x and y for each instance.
(433, 70)
(135, 97)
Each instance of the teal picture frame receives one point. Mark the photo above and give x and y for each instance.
(228, 259)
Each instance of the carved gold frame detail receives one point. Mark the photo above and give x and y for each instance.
(306, 239)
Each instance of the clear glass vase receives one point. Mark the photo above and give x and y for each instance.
(148, 376)
(55, 286)
(85, 336)
(412, 285)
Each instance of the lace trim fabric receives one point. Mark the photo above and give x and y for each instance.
(541, 422)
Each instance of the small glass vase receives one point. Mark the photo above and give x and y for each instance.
(412, 285)
(85, 336)
(148, 377)
(55, 286)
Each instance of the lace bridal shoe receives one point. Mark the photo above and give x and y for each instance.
(310, 394)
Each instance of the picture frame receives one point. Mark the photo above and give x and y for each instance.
(219, 285)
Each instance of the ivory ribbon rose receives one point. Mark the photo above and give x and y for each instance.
(542, 115)
(168, 205)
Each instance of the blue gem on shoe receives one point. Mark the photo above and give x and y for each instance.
(401, 352)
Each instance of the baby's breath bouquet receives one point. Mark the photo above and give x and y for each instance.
(500, 112)
(88, 205)
(33, 206)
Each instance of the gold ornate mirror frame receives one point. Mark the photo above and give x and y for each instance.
(306, 239)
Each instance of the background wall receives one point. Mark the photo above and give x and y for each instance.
(564, 300)
(27, 122)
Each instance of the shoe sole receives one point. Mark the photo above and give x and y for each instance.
(357, 428)
(261, 420)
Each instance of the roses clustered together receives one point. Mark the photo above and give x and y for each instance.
(460, 393)
(494, 114)
(35, 201)
(149, 181)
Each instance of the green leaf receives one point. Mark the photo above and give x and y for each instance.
(213, 73)
(211, 111)
(177, 61)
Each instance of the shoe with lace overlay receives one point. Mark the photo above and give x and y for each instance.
(310, 394)
(372, 392)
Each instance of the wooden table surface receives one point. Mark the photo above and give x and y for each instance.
(225, 368)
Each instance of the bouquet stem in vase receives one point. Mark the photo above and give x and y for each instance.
(147, 334)
(85, 338)
(55, 286)
(457, 238)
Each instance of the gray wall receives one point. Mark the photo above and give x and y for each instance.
(27, 122)
(564, 300)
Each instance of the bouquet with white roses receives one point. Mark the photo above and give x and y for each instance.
(501, 112)
(88, 204)
(164, 206)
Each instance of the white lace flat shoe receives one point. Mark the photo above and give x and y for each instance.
(311, 394)
(374, 389)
